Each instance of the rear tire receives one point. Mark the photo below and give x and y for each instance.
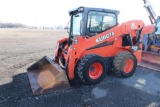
(92, 69)
(124, 64)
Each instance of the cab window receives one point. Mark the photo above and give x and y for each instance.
(99, 22)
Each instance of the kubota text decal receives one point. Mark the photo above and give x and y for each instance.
(104, 37)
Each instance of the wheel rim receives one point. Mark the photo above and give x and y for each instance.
(128, 66)
(95, 70)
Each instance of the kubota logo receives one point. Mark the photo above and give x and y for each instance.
(104, 37)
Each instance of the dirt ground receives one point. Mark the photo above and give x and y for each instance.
(19, 48)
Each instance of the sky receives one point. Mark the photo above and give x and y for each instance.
(55, 12)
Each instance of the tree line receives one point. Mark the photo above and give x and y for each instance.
(11, 25)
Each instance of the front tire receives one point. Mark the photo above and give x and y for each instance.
(92, 69)
(124, 64)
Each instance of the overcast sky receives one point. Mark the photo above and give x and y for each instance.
(55, 12)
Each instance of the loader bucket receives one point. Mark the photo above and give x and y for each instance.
(150, 61)
(46, 76)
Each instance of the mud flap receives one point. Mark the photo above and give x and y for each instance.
(150, 61)
(46, 76)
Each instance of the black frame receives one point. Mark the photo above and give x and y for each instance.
(85, 11)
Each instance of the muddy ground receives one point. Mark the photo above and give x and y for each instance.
(19, 48)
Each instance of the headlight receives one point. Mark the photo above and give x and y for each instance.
(75, 40)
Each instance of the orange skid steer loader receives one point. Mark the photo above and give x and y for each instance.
(96, 44)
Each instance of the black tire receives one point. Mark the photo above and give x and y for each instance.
(88, 63)
(119, 64)
(76, 81)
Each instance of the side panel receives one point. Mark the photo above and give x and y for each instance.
(138, 55)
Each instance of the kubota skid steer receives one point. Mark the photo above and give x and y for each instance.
(96, 45)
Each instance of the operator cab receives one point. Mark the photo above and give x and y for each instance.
(87, 21)
(156, 40)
